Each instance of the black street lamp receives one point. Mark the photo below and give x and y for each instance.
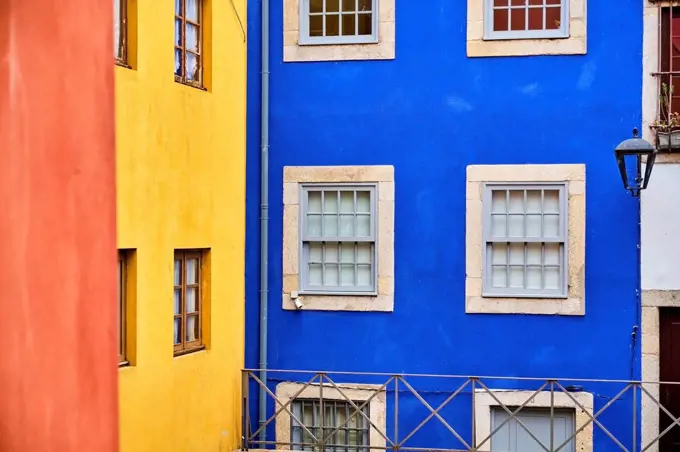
(630, 154)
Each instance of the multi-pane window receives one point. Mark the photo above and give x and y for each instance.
(525, 240)
(122, 305)
(352, 434)
(520, 19)
(512, 437)
(338, 237)
(338, 21)
(188, 42)
(120, 31)
(669, 63)
(187, 301)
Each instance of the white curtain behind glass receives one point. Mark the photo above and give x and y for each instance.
(116, 29)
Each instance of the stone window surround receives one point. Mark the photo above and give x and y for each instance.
(515, 398)
(293, 51)
(652, 300)
(383, 176)
(575, 44)
(477, 175)
(355, 392)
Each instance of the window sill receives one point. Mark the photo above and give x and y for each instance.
(124, 364)
(123, 64)
(191, 84)
(351, 302)
(338, 294)
(339, 42)
(189, 351)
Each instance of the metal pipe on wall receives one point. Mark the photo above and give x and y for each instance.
(264, 213)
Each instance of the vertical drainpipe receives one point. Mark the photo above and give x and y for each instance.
(264, 216)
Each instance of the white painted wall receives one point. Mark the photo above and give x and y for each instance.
(661, 229)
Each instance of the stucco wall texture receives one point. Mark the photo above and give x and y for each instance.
(181, 184)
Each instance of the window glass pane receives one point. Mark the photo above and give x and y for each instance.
(315, 6)
(192, 38)
(347, 274)
(535, 19)
(347, 253)
(330, 202)
(348, 5)
(192, 271)
(178, 301)
(177, 337)
(498, 201)
(363, 201)
(316, 25)
(499, 276)
(315, 274)
(314, 202)
(178, 7)
(363, 225)
(552, 254)
(178, 272)
(533, 223)
(116, 28)
(551, 226)
(534, 251)
(348, 24)
(501, 19)
(517, 253)
(516, 225)
(191, 299)
(499, 254)
(331, 275)
(347, 225)
(330, 225)
(498, 225)
(552, 278)
(553, 18)
(347, 202)
(534, 278)
(333, 25)
(364, 253)
(366, 5)
(517, 277)
(192, 67)
(178, 62)
(192, 328)
(178, 32)
(192, 10)
(551, 202)
(364, 275)
(516, 201)
(534, 201)
(365, 24)
(314, 225)
(332, 255)
(332, 6)
(315, 252)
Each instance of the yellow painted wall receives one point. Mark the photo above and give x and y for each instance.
(181, 184)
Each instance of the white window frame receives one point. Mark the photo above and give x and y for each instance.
(490, 34)
(487, 289)
(304, 238)
(306, 39)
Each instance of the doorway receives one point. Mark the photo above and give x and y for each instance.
(669, 338)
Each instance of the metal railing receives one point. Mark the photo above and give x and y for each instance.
(606, 412)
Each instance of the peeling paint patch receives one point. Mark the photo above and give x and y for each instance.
(459, 105)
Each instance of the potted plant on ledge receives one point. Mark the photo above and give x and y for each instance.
(667, 129)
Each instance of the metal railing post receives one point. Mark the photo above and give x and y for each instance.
(552, 416)
(474, 414)
(396, 413)
(245, 419)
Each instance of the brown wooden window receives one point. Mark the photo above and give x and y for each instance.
(122, 306)
(187, 299)
(188, 42)
(669, 62)
(120, 31)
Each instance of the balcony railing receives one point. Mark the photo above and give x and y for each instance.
(453, 413)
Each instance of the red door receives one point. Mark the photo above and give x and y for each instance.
(670, 371)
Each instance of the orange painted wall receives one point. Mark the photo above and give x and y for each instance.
(57, 227)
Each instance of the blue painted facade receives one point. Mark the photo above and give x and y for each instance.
(430, 113)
